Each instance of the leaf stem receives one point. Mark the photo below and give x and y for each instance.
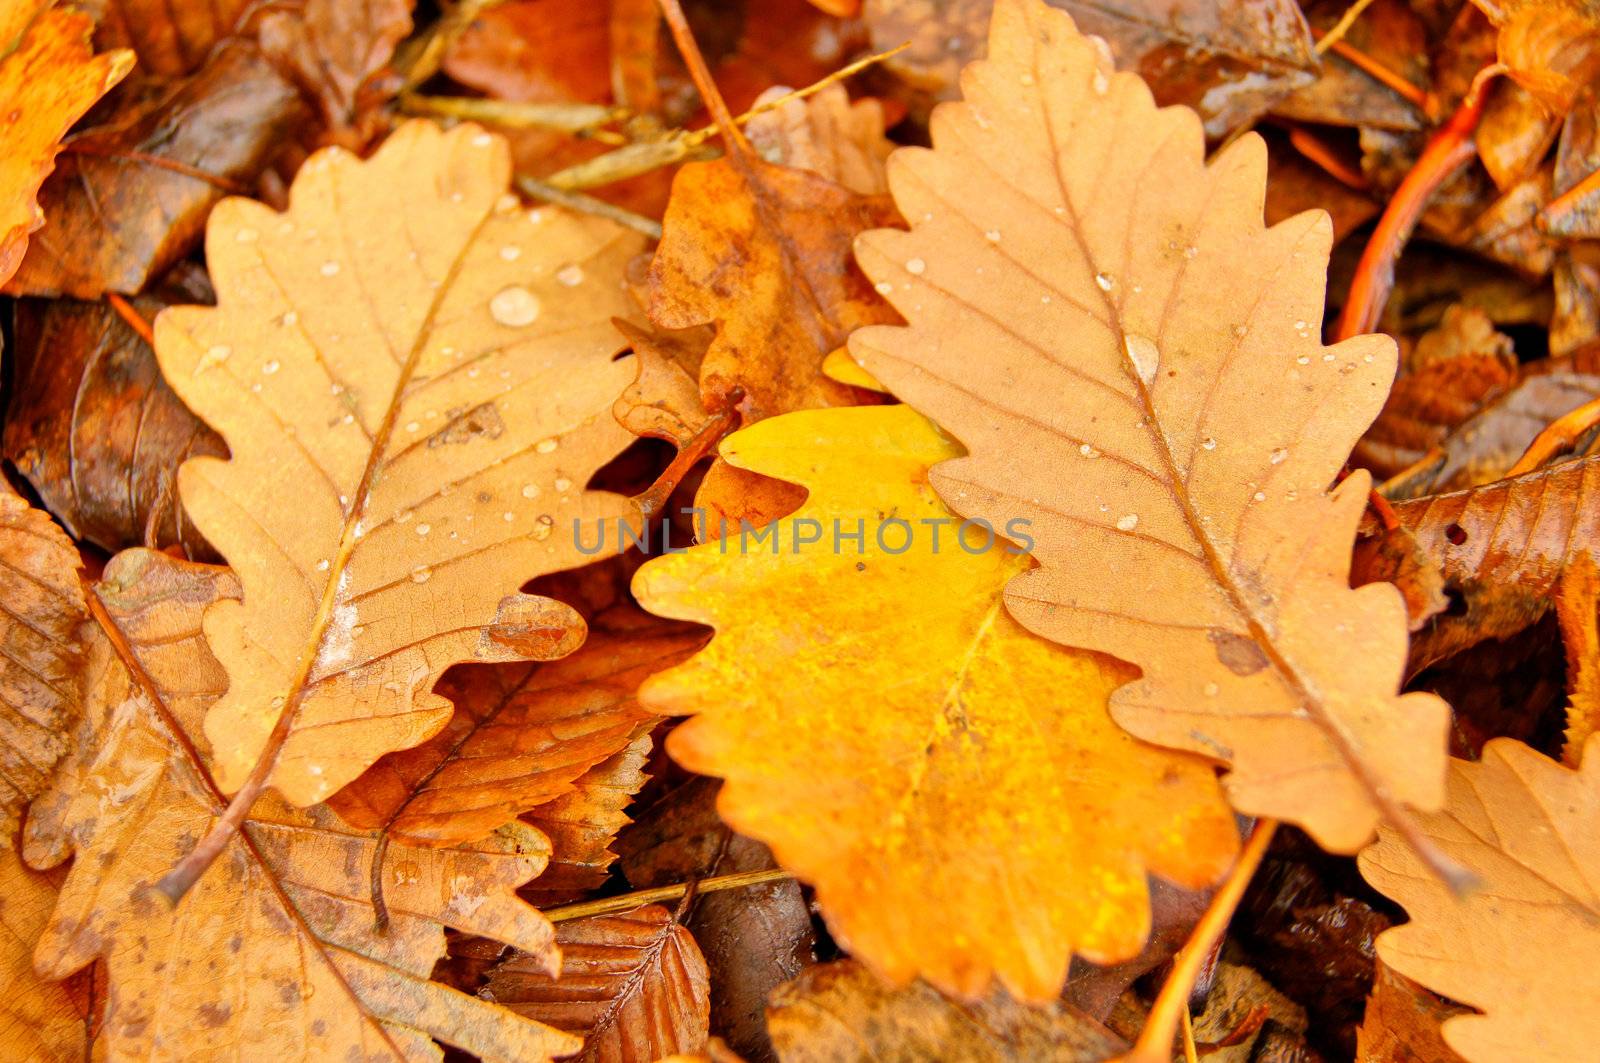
(1155, 1040)
(683, 36)
(626, 902)
(1557, 436)
(134, 320)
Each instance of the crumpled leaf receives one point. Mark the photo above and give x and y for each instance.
(521, 736)
(96, 429)
(131, 196)
(892, 746)
(1551, 47)
(1426, 405)
(841, 1013)
(275, 951)
(41, 1021)
(633, 986)
(754, 938)
(1233, 61)
(387, 354)
(1524, 946)
(1502, 548)
(48, 78)
(1134, 364)
(41, 652)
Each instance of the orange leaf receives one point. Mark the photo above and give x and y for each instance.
(48, 79)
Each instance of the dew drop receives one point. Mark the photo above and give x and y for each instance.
(1260, 496)
(1212, 690)
(1279, 455)
(323, 565)
(545, 446)
(1191, 251)
(1026, 78)
(421, 574)
(290, 317)
(543, 526)
(993, 236)
(1209, 443)
(1086, 450)
(1101, 83)
(424, 529)
(916, 267)
(508, 516)
(1302, 360)
(413, 426)
(1145, 356)
(214, 355)
(511, 252)
(403, 516)
(883, 288)
(330, 268)
(1128, 522)
(1241, 331)
(482, 140)
(530, 490)
(571, 275)
(270, 367)
(1104, 281)
(247, 236)
(514, 306)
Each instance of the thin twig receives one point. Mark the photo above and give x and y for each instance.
(584, 119)
(626, 902)
(1155, 1040)
(1315, 149)
(537, 189)
(1336, 33)
(1369, 66)
(700, 74)
(134, 320)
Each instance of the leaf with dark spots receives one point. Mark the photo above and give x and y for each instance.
(95, 428)
(286, 908)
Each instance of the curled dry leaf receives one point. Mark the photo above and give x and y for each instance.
(1578, 610)
(1525, 945)
(867, 748)
(275, 952)
(1501, 547)
(41, 1021)
(96, 429)
(841, 1013)
(131, 196)
(522, 734)
(425, 369)
(1551, 47)
(41, 650)
(754, 938)
(1133, 361)
(49, 77)
(633, 986)
(582, 824)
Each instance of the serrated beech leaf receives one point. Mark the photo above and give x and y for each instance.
(413, 376)
(1134, 365)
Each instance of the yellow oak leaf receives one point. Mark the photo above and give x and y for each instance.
(1133, 362)
(413, 375)
(951, 784)
(1524, 945)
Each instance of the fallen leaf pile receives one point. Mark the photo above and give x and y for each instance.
(800, 531)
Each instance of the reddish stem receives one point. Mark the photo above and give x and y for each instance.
(1451, 148)
(135, 320)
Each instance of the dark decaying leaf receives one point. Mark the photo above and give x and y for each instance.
(95, 428)
(754, 939)
(1230, 61)
(633, 986)
(169, 39)
(130, 197)
(1426, 404)
(840, 1013)
(335, 50)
